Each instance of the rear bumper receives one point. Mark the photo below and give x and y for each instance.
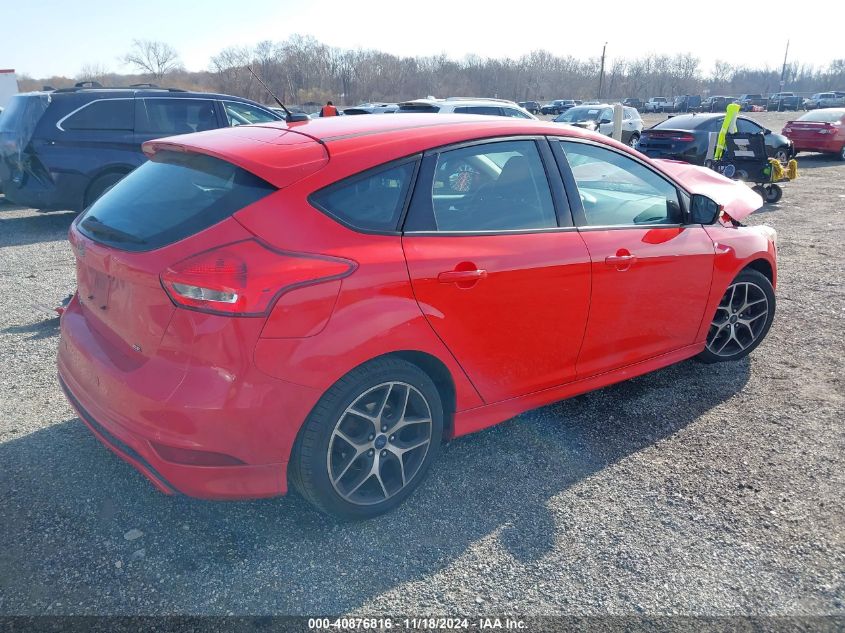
(693, 156)
(817, 145)
(245, 416)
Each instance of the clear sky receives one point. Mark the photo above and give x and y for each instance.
(47, 37)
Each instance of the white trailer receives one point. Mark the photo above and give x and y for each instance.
(8, 86)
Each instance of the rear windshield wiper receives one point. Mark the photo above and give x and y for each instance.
(97, 227)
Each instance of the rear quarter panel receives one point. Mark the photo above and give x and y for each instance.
(375, 312)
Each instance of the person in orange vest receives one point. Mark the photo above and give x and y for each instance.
(328, 109)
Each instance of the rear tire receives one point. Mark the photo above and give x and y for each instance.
(842, 153)
(742, 319)
(99, 186)
(369, 441)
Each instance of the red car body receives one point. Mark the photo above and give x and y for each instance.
(209, 403)
(819, 131)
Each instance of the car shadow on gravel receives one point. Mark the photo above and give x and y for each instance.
(19, 230)
(38, 330)
(814, 161)
(68, 506)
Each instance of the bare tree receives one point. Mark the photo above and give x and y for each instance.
(94, 72)
(154, 58)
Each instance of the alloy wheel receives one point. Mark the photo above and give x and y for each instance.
(379, 443)
(782, 155)
(739, 321)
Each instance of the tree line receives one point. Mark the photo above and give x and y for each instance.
(302, 70)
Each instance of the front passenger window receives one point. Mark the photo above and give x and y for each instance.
(617, 190)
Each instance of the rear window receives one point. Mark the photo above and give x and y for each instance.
(684, 122)
(104, 114)
(372, 201)
(23, 111)
(168, 198)
(823, 116)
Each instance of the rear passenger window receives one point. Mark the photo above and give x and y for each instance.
(372, 201)
(104, 114)
(177, 116)
(489, 187)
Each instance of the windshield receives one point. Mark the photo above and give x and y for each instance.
(579, 115)
(824, 116)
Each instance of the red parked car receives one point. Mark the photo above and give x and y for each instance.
(322, 303)
(819, 131)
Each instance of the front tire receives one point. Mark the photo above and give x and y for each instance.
(635, 138)
(842, 153)
(742, 319)
(369, 441)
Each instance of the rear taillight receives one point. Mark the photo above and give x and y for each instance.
(246, 278)
(671, 136)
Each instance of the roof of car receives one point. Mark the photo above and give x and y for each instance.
(355, 143)
(142, 92)
(459, 100)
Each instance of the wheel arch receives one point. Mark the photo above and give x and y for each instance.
(442, 378)
(762, 266)
(114, 168)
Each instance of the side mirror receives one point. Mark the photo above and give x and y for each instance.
(766, 130)
(703, 210)
(603, 121)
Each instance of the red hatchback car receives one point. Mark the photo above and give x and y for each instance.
(819, 131)
(322, 303)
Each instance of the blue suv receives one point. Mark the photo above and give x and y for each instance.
(61, 149)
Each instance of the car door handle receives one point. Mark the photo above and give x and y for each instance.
(615, 260)
(456, 276)
(622, 261)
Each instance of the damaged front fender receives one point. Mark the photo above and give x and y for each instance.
(737, 199)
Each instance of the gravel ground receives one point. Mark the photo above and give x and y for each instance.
(697, 489)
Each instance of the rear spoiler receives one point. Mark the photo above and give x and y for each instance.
(281, 156)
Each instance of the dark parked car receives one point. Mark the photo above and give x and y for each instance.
(781, 101)
(747, 102)
(532, 106)
(557, 106)
(685, 103)
(716, 103)
(686, 137)
(633, 102)
(62, 149)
